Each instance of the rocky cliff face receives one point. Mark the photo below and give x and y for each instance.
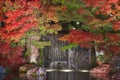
(75, 58)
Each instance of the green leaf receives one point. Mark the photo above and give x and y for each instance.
(69, 46)
(12, 44)
(22, 42)
(41, 44)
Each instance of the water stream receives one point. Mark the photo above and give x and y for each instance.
(75, 58)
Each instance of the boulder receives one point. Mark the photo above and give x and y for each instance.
(102, 69)
(58, 65)
(24, 68)
(37, 71)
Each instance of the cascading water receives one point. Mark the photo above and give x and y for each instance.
(71, 58)
(75, 58)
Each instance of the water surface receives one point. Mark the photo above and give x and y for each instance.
(56, 75)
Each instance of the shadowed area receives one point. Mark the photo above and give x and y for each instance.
(57, 75)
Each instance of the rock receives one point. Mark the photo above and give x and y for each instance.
(58, 65)
(22, 76)
(102, 69)
(24, 68)
(116, 76)
(2, 69)
(37, 71)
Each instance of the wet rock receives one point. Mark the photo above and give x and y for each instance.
(2, 69)
(102, 69)
(37, 71)
(24, 68)
(58, 65)
(116, 76)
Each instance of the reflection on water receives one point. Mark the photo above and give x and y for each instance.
(68, 76)
(101, 76)
(29, 77)
(2, 76)
(56, 75)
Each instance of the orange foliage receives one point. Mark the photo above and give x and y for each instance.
(108, 42)
(18, 21)
(84, 39)
(18, 17)
(110, 8)
(7, 52)
(49, 12)
(116, 25)
(105, 6)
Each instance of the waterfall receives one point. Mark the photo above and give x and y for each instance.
(34, 54)
(71, 58)
(34, 51)
(75, 58)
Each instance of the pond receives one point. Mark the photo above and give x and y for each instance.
(56, 75)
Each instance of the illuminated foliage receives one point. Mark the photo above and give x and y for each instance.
(19, 17)
(94, 23)
(23, 22)
(100, 25)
